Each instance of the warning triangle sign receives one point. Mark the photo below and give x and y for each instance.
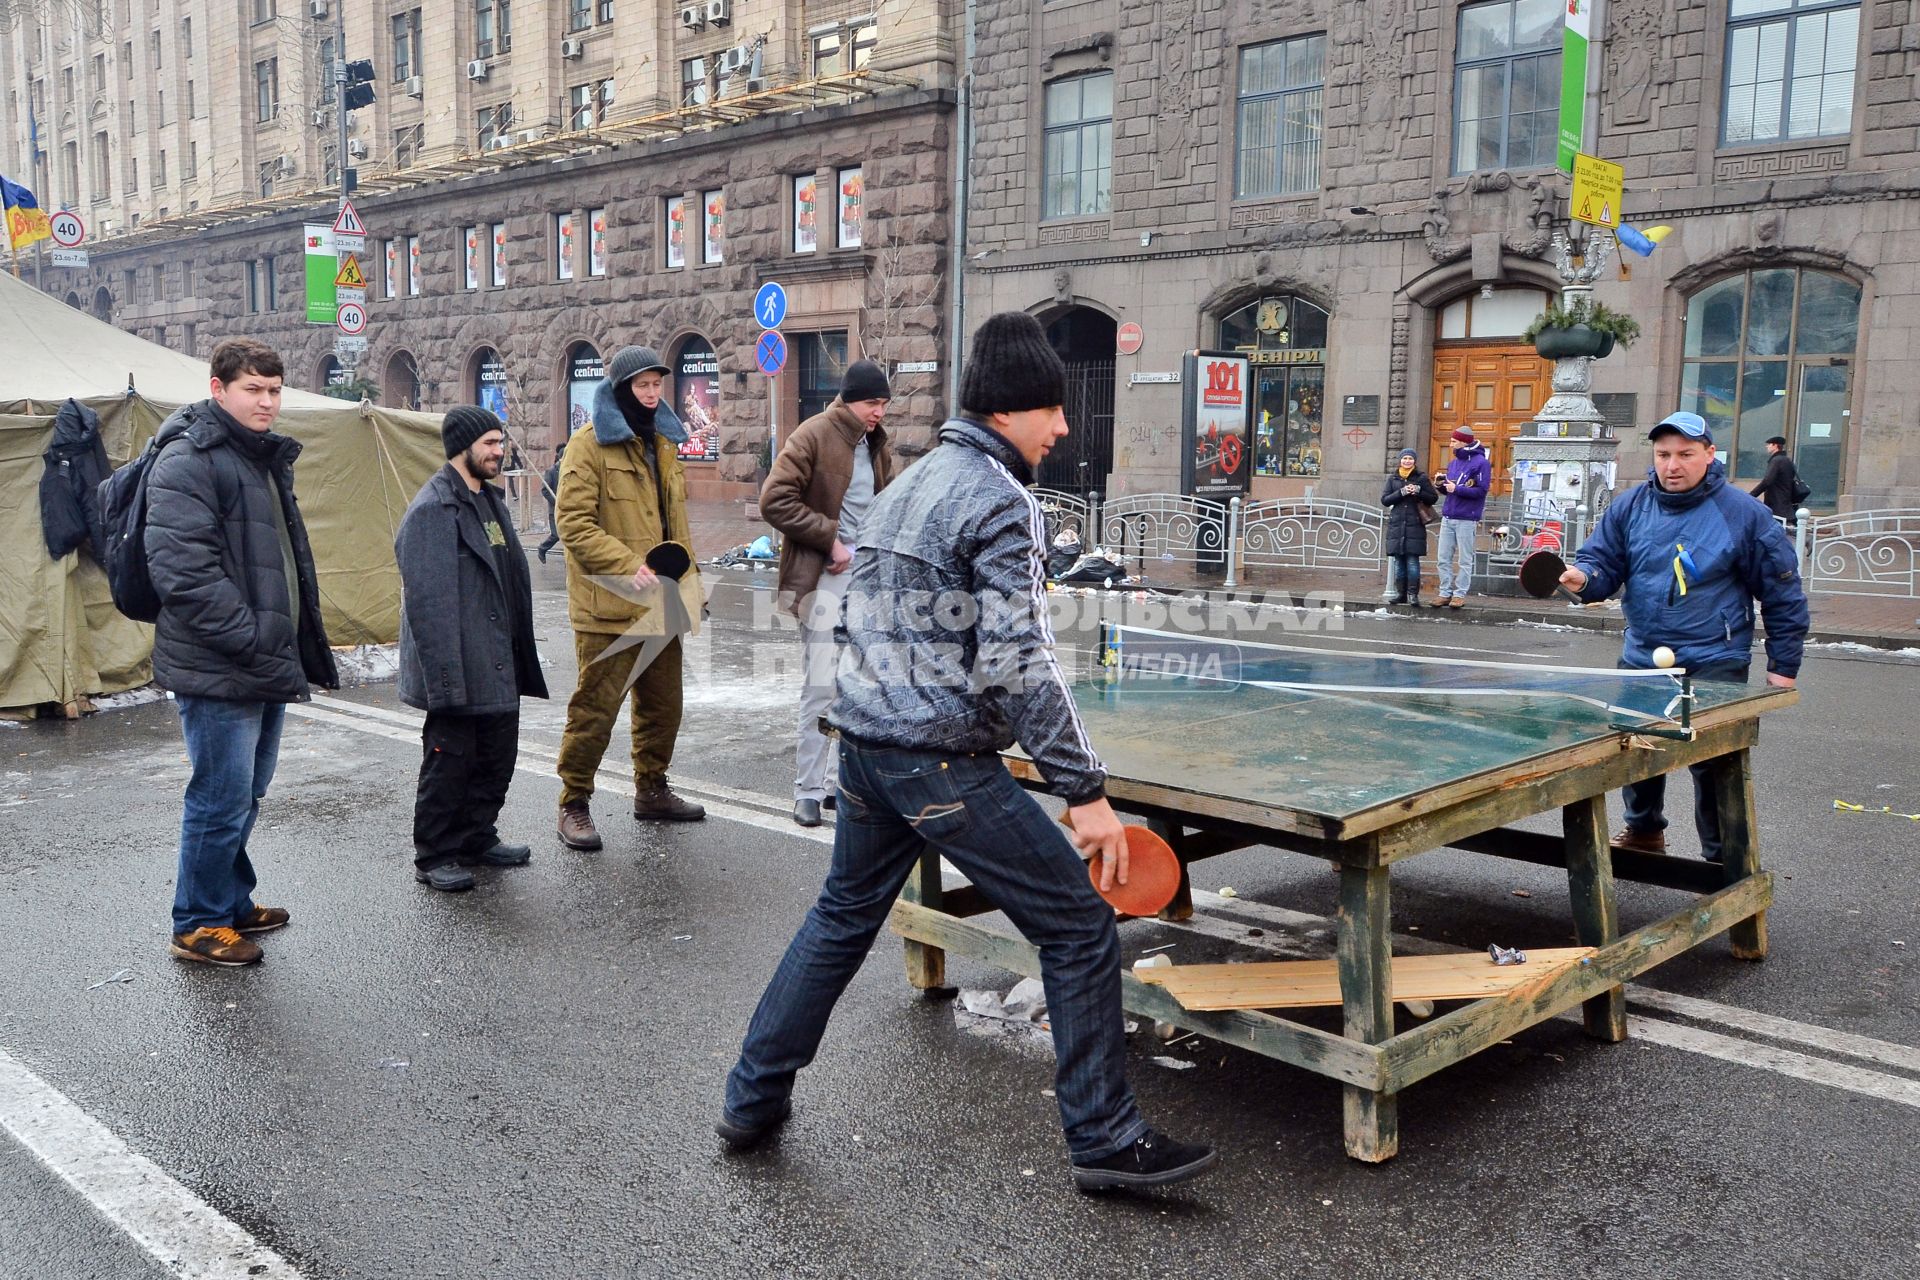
(1606, 213)
(1586, 208)
(350, 277)
(348, 223)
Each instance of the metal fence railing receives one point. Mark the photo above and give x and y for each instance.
(1166, 526)
(1860, 553)
(1311, 533)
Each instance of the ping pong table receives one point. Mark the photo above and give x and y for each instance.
(1367, 760)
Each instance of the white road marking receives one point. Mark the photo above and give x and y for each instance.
(752, 809)
(185, 1234)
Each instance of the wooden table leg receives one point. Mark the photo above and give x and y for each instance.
(1596, 916)
(1181, 906)
(926, 965)
(1372, 1118)
(1731, 781)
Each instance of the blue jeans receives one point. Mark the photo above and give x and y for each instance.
(1456, 556)
(894, 804)
(1646, 801)
(1403, 576)
(233, 747)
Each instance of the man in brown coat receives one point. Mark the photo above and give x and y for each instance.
(822, 484)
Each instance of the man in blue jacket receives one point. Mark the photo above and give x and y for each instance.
(927, 701)
(1692, 554)
(1466, 481)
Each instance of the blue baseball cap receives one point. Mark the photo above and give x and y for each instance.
(1690, 425)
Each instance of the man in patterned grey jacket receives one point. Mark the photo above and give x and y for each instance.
(949, 661)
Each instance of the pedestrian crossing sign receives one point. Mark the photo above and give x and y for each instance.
(1598, 186)
(350, 277)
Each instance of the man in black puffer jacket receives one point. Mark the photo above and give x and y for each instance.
(239, 634)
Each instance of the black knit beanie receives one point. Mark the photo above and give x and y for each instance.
(1012, 368)
(865, 380)
(463, 424)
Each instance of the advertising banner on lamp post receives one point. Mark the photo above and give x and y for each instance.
(1573, 81)
(323, 264)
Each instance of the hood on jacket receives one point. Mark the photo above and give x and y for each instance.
(976, 434)
(610, 425)
(1710, 483)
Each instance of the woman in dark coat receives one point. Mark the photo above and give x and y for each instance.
(1406, 534)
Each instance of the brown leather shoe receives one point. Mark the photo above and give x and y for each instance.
(1631, 841)
(576, 826)
(262, 920)
(655, 802)
(223, 947)
(1457, 602)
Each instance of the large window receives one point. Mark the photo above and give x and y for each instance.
(821, 360)
(492, 27)
(406, 45)
(1279, 138)
(1506, 86)
(844, 48)
(1769, 353)
(1079, 146)
(579, 14)
(588, 104)
(266, 89)
(1790, 69)
(1285, 339)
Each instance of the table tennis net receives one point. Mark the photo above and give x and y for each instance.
(1142, 660)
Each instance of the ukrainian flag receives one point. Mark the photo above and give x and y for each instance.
(26, 220)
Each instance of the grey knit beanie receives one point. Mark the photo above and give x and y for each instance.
(629, 363)
(463, 424)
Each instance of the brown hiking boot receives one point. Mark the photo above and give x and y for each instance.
(1631, 841)
(262, 920)
(216, 946)
(654, 801)
(576, 826)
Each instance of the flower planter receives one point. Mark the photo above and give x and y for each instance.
(1554, 344)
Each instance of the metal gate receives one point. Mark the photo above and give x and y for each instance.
(1081, 462)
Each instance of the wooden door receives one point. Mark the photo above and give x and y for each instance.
(1491, 387)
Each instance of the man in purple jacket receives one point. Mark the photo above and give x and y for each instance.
(1465, 483)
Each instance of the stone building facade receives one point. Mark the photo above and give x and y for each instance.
(544, 183)
(1364, 198)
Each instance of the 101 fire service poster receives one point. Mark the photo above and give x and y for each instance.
(1214, 416)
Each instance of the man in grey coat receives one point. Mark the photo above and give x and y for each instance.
(467, 653)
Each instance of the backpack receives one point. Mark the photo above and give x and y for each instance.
(123, 509)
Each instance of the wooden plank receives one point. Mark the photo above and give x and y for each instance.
(1364, 956)
(1417, 1054)
(1537, 792)
(1689, 874)
(926, 965)
(1301, 984)
(1320, 1052)
(1730, 781)
(1596, 914)
(1141, 795)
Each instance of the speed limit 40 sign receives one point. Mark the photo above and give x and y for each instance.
(67, 229)
(352, 318)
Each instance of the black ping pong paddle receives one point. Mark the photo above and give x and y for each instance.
(670, 560)
(1540, 576)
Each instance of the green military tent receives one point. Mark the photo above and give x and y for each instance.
(61, 640)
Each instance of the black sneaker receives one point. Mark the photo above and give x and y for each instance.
(505, 855)
(447, 877)
(1154, 1160)
(742, 1137)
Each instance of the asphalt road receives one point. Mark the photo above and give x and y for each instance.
(519, 1082)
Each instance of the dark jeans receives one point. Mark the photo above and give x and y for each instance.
(466, 763)
(553, 527)
(233, 747)
(1403, 575)
(895, 803)
(1646, 801)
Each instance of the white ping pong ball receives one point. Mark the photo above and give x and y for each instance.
(1663, 657)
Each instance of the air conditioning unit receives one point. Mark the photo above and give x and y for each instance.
(719, 12)
(316, 8)
(319, 118)
(734, 59)
(477, 69)
(499, 141)
(285, 167)
(693, 16)
(534, 135)
(416, 86)
(356, 149)
(572, 48)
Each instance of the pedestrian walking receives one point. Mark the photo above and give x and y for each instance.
(1465, 481)
(467, 653)
(238, 637)
(1781, 488)
(622, 494)
(1408, 496)
(816, 495)
(1692, 555)
(923, 713)
(550, 486)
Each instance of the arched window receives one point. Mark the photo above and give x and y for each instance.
(401, 387)
(1769, 353)
(1285, 339)
(489, 388)
(103, 305)
(696, 399)
(331, 374)
(584, 372)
